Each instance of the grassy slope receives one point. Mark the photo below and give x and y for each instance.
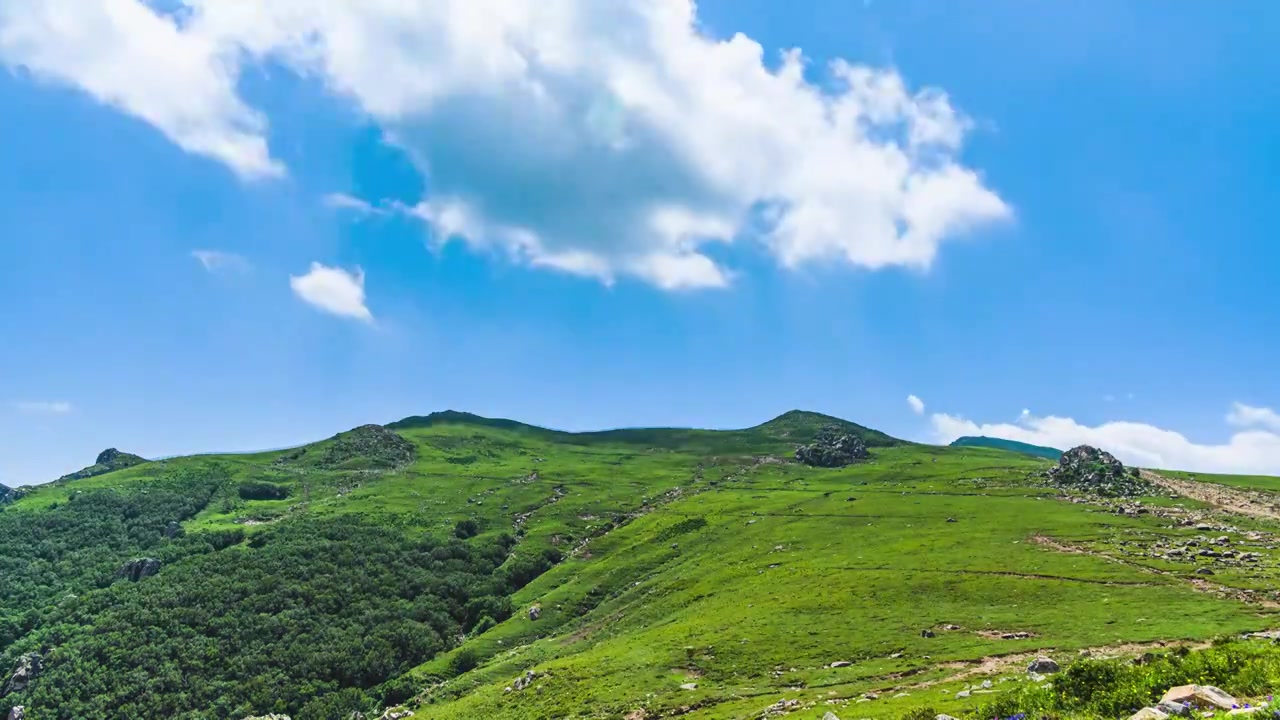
(689, 560)
(1248, 482)
(789, 575)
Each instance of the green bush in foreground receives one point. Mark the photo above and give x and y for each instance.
(1118, 688)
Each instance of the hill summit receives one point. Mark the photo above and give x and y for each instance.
(108, 460)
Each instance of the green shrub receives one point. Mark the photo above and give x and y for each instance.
(466, 529)
(920, 713)
(262, 490)
(463, 661)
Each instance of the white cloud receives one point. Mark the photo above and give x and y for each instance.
(42, 407)
(218, 261)
(1249, 451)
(917, 405)
(343, 201)
(596, 138)
(1247, 416)
(333, 290)
(124, 54)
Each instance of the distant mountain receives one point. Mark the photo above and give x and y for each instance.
(1010, 445)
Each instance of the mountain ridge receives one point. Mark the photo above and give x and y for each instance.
(1009, 445)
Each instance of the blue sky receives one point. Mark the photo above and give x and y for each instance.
(218, 232)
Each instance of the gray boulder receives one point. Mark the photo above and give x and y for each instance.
(18, 713)
(26, 670)
(535, 612)
(1043, 666)
(139, 568)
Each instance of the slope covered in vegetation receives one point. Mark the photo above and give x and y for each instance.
(467, 567)
(1010, 445)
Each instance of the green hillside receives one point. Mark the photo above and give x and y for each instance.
(474, 568)
(1010, 445)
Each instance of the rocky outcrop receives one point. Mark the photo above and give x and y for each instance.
(1089, 470)
(269, 717)
(833, 448)
(369, 446)
(18, 713)
(139, 568)
(25, 671)
(108, 460)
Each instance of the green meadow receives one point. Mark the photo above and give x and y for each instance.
(700, 574)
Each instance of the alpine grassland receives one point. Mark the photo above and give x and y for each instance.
(464, 567)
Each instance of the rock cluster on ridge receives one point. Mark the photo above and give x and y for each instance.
(833, 448)
(1089, 470)
(107, 461)
(374, 445)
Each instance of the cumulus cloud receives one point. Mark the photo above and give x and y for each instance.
(595, 138)
(917, 405)
(42, 407)
(1248, 451)
(125, 54)
(333, 290)
(1247, 416)
(217, 261)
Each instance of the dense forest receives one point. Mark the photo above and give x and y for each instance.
(311, 617)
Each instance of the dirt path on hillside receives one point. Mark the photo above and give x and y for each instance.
(1253, 503)
(1196, 583)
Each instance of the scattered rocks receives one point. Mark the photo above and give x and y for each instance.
(396, 713)
(139, 568)
(833, 448)
(1042, 666)
(535, 612)
(943, 716)
(26, 670)
(1087, 469)
(272, 716)
(525, 680)
(782, 707)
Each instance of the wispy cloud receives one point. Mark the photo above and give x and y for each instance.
(343, 201)
(42, 407)
(917, 405)
(333, 290)
(216, 261)
(1248, 416)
